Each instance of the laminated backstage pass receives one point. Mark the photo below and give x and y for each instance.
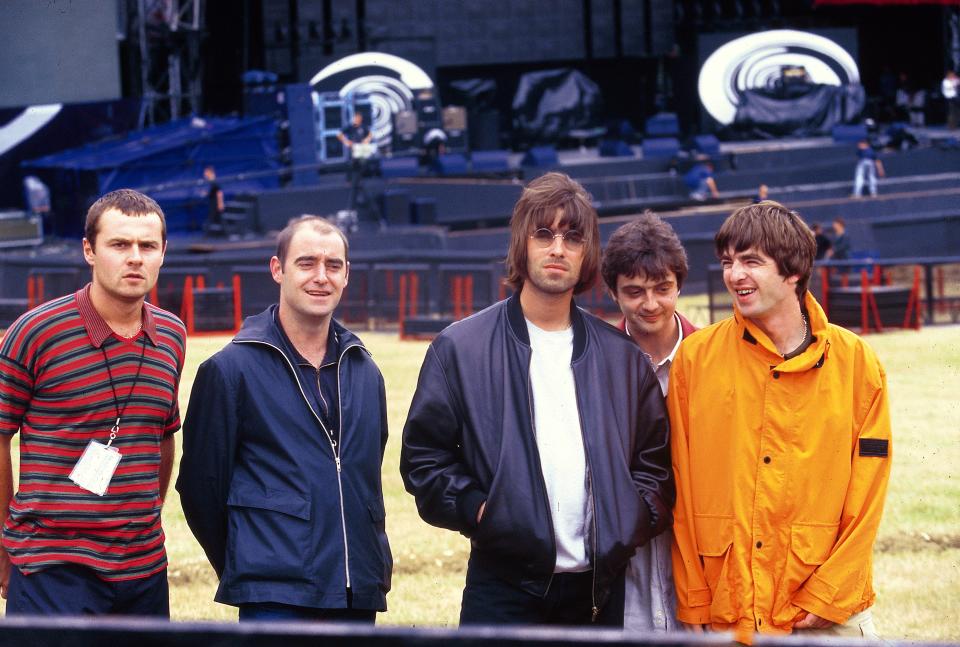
(96, 467)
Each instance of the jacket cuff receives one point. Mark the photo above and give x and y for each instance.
(699, 615)
(660, 516)
(468, 505)
(810, 602)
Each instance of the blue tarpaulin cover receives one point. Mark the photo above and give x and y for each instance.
(167, 163)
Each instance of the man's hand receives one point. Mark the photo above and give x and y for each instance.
(812, 621)
(483, 506)
(4, 573)
(693, 628)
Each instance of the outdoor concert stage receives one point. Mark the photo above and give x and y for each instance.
(437, 249)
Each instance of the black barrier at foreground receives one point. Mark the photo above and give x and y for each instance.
(136, 632)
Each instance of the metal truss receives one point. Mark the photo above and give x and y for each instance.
(168, 33)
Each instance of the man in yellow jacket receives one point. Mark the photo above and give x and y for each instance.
(780, 433)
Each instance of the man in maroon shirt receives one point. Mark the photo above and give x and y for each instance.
(644, 265)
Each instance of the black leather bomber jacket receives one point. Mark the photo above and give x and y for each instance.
(469, 438)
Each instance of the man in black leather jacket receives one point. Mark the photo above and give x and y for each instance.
(539, 431)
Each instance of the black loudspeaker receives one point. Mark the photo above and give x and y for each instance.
(454, 118)
(614, 148)
(423, 211)
(541, 156)
(303, 133)
(427, 109)
(451, 164)
(395, 206)
(405, 131)
(405, 122)
(485, 130)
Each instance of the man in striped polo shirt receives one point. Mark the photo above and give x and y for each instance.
(90, 382)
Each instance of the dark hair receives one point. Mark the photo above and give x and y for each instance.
(318, 223)
(777, 232)
(646, 246)
(537, 207)
(129, 203)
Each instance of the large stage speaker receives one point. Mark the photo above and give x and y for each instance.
(454, 120)
(423, 211)
(484, 130)
(395, 206)
(540, 156)
(303, 134)
(405, 131)
(427, 109)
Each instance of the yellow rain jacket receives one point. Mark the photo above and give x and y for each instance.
(781, 470)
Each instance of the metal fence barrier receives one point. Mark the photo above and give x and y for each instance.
(136, 632)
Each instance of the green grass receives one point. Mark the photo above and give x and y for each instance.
(917, 558)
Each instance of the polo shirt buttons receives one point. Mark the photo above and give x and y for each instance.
(759, 544)
(776, 375)
(766, 459)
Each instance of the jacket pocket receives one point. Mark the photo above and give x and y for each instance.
(812, 542)
(268, 535)
(810, 546)
(714, 539)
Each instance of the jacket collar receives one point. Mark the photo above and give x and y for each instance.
(518, 324)
(264, 328)
(812, 357)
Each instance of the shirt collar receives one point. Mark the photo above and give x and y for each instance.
(330, 354)
(668, 358)
(99, 330)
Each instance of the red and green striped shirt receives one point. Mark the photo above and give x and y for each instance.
(55, 390)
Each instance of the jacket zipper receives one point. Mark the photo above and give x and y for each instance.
(593, 517)
(543, 481)
(343, 519)
(333, 444)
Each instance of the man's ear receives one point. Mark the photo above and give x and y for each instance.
(88, 254)
(276, 269)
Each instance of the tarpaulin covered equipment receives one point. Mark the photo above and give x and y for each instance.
(548, 104)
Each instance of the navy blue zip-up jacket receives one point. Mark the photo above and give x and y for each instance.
(469, 438)
(259, 479)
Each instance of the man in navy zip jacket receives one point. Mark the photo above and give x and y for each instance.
(283, 444)
(540, 432)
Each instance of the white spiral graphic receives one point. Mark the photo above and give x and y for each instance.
(754, 61)
(387, 97)
(387, 80)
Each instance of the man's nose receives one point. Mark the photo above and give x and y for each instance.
(556, 247)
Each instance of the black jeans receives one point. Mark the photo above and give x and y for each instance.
(490, 600)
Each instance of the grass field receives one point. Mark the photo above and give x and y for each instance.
(916, 561)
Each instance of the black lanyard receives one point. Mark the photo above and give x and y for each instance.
(116, 401)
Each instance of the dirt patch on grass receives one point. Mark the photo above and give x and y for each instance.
(191, 572)
(915, 542)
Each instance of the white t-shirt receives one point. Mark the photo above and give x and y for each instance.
(560, 443)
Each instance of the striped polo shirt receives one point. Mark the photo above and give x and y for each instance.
(55, 389)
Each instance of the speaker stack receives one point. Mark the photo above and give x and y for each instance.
(454, 119)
